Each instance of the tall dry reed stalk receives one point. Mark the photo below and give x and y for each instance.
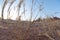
(4, 4)
(40, 9)
(24, 7)
(18, 8)
(31, 15)
(31, 10)
(11, 3)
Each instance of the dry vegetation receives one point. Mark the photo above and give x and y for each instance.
(40, 29)
(43, 30)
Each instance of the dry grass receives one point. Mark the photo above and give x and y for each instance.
(46, 29)
(38, 30)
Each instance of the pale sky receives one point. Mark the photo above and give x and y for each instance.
(50, 7)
